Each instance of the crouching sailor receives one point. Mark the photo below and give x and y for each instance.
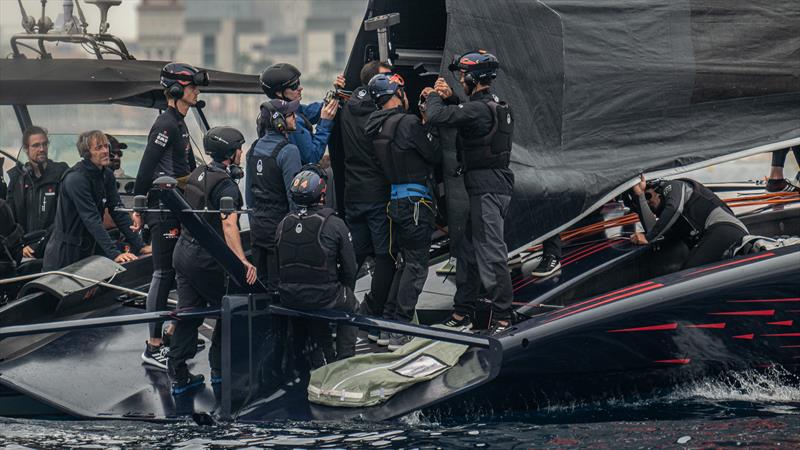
(690, 211)
(201, 281)
(317, 264)
(407, 155)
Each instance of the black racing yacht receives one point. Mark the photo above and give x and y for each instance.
(602, 92)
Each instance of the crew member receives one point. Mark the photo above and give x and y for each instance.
(201, 281)
(407, 155)
(116, 151)
(366, 192)
(282, 81)
(33, 189)
(168, 152)
(687, 209)
(776, 181)
(88, 189)
(485, 128)
(272, 162)
(317, 262)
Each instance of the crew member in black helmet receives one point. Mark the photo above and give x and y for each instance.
(272, 162)
(282, 81)
(690, 211)
(168, 152)
(407, 154)
(317, 262)
(201, 281)
(485, 128)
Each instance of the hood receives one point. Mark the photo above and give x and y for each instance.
(360, 103)
(375, 120)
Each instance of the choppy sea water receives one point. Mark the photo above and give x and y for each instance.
(747, 410)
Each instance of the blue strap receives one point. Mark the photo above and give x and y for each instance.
(410, 190)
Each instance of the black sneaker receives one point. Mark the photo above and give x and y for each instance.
(498, 327)
(783, 185)
(547, 266)
(155, 356)
(384, 338)
(462, 325)
(398, 340)
(187, 383)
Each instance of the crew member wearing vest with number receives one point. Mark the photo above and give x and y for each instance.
(407, 155)
(316, 256)
(485, 129)
(272, 163)
(201, 280)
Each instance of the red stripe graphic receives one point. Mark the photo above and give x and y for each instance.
(579, 255)
(769, 300)
(674, 361)
(745, 336)
(783, 323)
(668, 326)
(783, 335)
(609, 300)
(763, 312)
(732, 263)
(618, 291)
(790, 346)
(707, 325)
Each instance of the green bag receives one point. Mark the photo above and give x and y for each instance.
(373, 378)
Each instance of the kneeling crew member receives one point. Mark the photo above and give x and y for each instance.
(272, 162)
(407, 155)
(690, 211)
(485, 128)
(88, 189)
(201, 281)
(317, 261)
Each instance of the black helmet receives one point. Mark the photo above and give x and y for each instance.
(222, 142)
(478, 66)
(383, 85)
(278, 77)
(174, 76)
(309, 186)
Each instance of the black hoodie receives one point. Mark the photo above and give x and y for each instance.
(363, 177)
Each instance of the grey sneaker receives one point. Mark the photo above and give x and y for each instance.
(384, 338)
(463, 324)
(399, 340)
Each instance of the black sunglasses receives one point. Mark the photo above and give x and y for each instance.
(294, 86)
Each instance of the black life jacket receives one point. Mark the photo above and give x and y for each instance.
(492, 151)
(265, 182)
(199, 186)
(301, 255)
(35, 199)
(400, 165)
(382, 144)
(699, 206)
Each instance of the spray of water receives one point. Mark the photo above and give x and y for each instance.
(773, 385)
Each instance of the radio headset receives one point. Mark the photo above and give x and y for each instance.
(276, 119)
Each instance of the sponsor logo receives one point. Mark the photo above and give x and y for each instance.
(668, 189)
(172, 233)
(202, 175)
(299, 228)
(495, 98)
(260, 166)
(361, 93)
(162, 138)
(508, 119)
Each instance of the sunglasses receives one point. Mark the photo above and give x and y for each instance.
(294, 86)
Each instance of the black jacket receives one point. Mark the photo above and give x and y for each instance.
(168, 151)
(473, 119)
(337, 244)
(364, 180)
(86, 192)
(412, 152)
(33, 199)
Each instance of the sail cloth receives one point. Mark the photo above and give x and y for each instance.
(603, 90)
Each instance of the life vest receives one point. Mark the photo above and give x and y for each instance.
(200, 185)
(698, 207)
(265, 182)
(493, 150)
(301, 255)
